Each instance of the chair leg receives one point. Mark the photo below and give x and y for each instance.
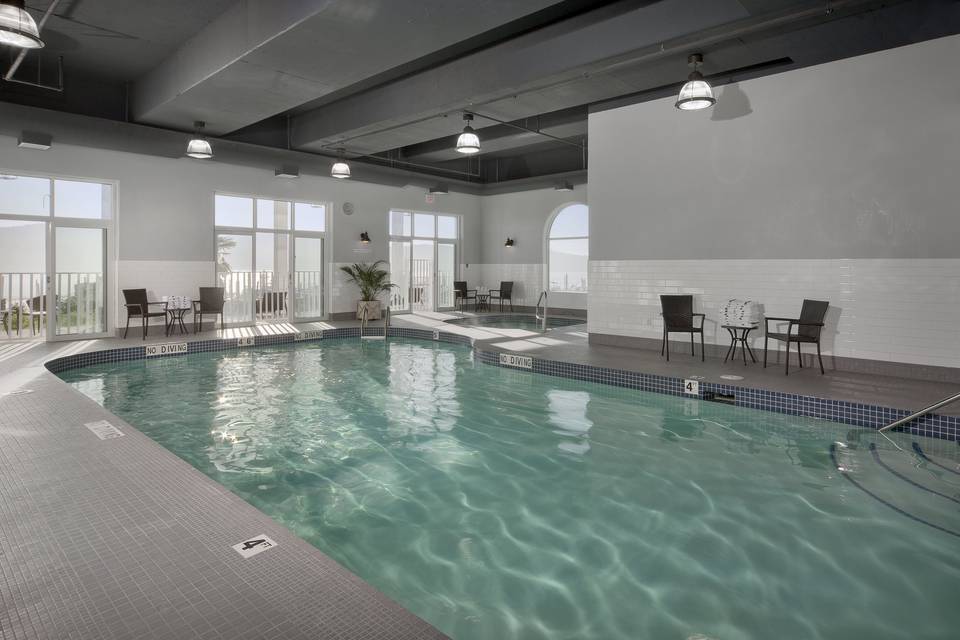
(799, 356)
(820, 358)
(144, 322)
(221, 322)
(663, 343)
(198, 323)
(667, 340)
(126, 328)
(703, 354)
(765, 339)
(511, 305)
(788, 358)
(692, 352)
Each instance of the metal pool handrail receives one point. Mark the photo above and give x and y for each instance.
(921, 413)
(536, 311)
(386, 322)
(363, 320)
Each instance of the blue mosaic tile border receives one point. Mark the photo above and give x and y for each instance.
(862, 415)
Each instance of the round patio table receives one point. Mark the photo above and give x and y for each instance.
(738, 336)
(177, 307)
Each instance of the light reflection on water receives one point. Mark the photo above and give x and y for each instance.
(497, 503)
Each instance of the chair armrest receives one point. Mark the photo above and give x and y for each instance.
(782, 319)
(806, 324)
(703, 318)
(492, 291)
(133, 304)
(163, 303)
(473, 291)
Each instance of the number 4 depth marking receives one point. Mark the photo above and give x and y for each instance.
(253, 546)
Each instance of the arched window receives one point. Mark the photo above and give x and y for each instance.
(568, 249)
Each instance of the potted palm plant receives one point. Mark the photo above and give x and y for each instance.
(372, 280)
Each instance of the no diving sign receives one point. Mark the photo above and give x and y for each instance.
(253, 546)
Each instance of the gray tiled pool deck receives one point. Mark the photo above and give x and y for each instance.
(119, 538)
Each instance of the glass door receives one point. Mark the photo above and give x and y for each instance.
(23, 279)
(307, 278)
(400, 253)
(421, 282)
(446, 273)
(79, 279)
(423, 260)
(235, 275)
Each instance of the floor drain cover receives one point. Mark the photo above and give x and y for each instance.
(731, 377)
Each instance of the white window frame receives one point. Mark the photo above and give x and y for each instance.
(436, 241)
(292, 234)
(546, 247)
(108, 224)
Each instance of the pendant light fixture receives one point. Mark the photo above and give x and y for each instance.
(468, 142)
(340, 168)
(697, 92)
(17, 27)
(198, 147)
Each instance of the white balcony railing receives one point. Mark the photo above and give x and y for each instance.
(262, 296)
(23, 304)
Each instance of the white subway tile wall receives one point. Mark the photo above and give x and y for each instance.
(897, 310)
(527, 279)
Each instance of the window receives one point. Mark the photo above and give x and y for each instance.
(423, 260)
(269, 258)
(53, 251)
(568, 249)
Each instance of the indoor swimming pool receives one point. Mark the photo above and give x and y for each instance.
(499, 503)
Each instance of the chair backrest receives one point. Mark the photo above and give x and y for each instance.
(38, 303)
(677, 310)
(460, 288)
(812, 311)
(506, 289)
(135, 296)
(211, 299)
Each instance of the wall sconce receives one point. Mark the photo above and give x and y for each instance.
(508, 243)
(365, 237)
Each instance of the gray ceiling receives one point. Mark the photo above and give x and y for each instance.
(388, 80)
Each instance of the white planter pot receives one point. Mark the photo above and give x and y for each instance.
(372, 307)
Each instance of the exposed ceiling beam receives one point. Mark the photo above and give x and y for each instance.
(264, 57)
(554, 54)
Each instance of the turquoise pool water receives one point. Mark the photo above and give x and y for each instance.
(498, 503)
(516, 322)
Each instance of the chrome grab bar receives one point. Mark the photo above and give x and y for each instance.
(536, 311)
(386, 322)
(921, 413)
(363, 320)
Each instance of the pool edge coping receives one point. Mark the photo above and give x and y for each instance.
(869, 416)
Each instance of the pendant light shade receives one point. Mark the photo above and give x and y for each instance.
(198, 147)
(17, 27)
(697, 92)
(340, 168)
(468, 142)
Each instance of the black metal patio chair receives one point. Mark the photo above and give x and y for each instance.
(135, 300)
(809, 327)
(678, 317)
(505, 292)
(210, 303)
(462, 296)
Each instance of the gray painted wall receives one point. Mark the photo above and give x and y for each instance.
(523, 217)
(852, 159)
(166, 204)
